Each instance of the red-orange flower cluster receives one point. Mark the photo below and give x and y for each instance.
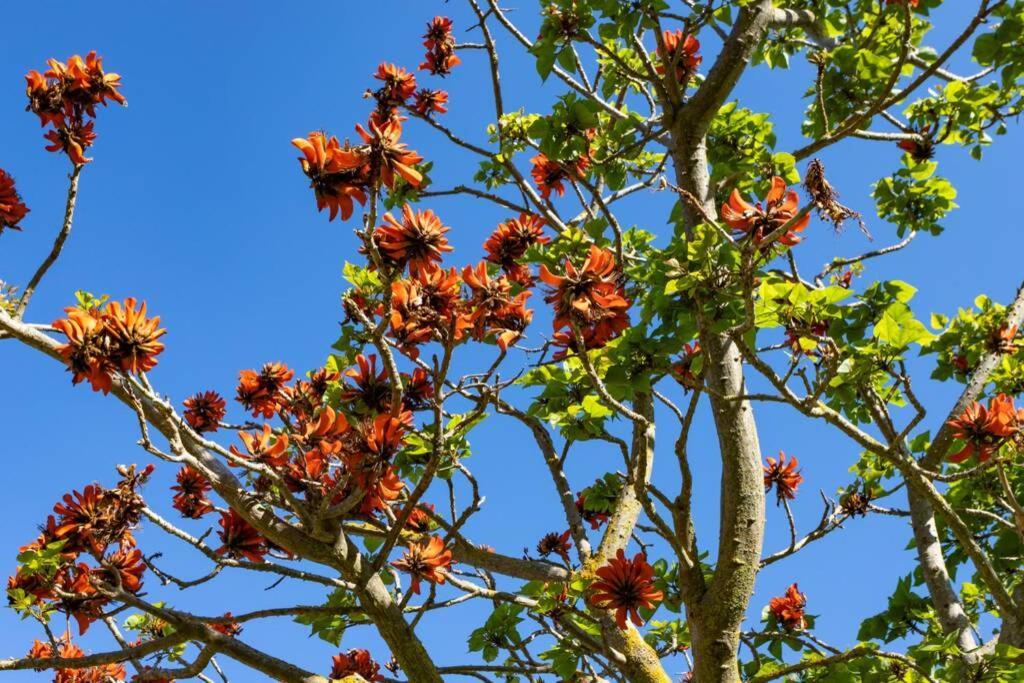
(263, 392)
(759, 221)
(104, 673)
(429, 102)
(496, 313)
(240, 539)
(509, 242)
(338, 175)
(782, 475)
(117, 338)
(590, 298)
(355, 662)
(550, 175)
(418, 240)
(788, 609)
(65, 96)
(425, 562)
(205, 410)
(427, 306)
(983, 430)
(555, 543)
(678, 49)
(399, 86)
(12, 209)
(625, 586)
(440, 44)
(190, 497)
(95, 523)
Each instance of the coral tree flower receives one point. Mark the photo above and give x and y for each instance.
(120, 338)
(263, 392)
(390, 157)
(495, 311)
(788, 609)
(399, 85)
(190, 497)
(590, 297)
(338, 175)
(625, 586)
(555, 543)
(355, 662)
(508, 243)
(678, 49)
(205, 410)
(68, 650)
(12, 209)
(984, 430)
(430, 102)
(440, 44)
(240, 539)
(425, 562)
(551, 176)
(759, 221)
(65, 97)
(417, 240)
(783, 475)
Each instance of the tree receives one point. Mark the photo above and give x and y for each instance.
(329, 480)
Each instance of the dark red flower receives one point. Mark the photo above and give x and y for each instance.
(12, 209)
(625, 586)
(440, 44)
(593, 518)
(556, 543)
(190, 499)
(205, 410)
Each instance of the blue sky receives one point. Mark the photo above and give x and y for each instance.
(195, 203)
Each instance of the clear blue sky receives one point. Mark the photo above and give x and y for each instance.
(195, 203)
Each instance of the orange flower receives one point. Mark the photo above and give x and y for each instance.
(86, 349)
(590, 297)
(228, 628)
(681, 50)
(625, 586)
(263, 392)
(550, 176)
(420, 520)
(355, 662)
(783, 476)
(495, 311)
(66, 96)
(430, 101)
(440, 44)
(425, 561)
(418, 240)
(12, 209)
(338, 175)
(265, 447)
(369, 385)
(757, 221)
(427, 306)
(419, 389)
(190, 499)
(984, 430)
(399, 85)
(509, 242)
(385, 489)
(389, 157)
(124, 568)
(556, 543)
(1002, 340)
(103, 673)
(240, 539)
(788, 609)
(205, 410)
(682, 369)
(133, 335)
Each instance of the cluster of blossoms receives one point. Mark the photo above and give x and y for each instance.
(555, 543)
(12, 209)
(788, 609)
(65, 649)
(507, 245)
(190, 494)
(440, 44)
(589, 300)
(65, 97)
(985, 429)
(625, 586)
(592, 517)
(204, 411)
(355, 662)
(678, 51)
(760, 221)
(105, 340)
(783, 476)
(551, 176)
(95, 523)
(426, 561)
(684, 369)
